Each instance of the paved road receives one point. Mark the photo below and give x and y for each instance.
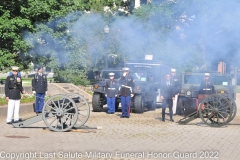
(143, 136)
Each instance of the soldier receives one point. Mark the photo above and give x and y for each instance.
(167, 91)
(39, 87)
(126, 92)
(206, 86)
(13, 87)
(111, 92)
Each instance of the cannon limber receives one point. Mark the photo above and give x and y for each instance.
(61, 113)
(214, 110)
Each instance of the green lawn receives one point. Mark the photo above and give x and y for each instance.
(238, 89)
(26, 81)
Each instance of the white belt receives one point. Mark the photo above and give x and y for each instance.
(111, 88)
(126, 86)
(208, 89)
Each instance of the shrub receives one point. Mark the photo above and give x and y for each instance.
(25, 98)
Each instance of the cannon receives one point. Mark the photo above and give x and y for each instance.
(214, 110)
(61, 113)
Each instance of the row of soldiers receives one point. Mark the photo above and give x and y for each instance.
(170, 90)
(123, 87)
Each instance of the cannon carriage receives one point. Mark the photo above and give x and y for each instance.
(214, 110)
(61, 113)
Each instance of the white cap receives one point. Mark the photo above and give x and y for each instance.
(111, 74)
(206, 74)
(173, 70)
(126, 69)
(15, 68)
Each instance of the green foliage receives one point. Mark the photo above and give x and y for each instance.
(54, 41)
(25, 98)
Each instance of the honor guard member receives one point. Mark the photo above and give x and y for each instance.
(39, 88)
(111, 93)
(206, 86)
(167, 91)
(13, 87)
(126, 92)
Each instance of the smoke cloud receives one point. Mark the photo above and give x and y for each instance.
(206, 30)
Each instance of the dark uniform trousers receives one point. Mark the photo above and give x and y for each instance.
(39, 84)
(111, 91)
(126, 90)
(168, 94)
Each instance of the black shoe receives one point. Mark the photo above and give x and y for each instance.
(110, 113)
(122, 117)
(163, 120)
(127, 117)
(9, 122)
(171, 120)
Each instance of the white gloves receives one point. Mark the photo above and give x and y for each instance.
(115, 95)
(124, 74)
(46, 92)
(132, 95)
(105, 95)
(34, 92)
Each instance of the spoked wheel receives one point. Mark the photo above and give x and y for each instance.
(215, 110)
(83, 108)
(60, 113)
(234, 106)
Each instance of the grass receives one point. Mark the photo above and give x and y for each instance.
(25, 98)
(238, 89)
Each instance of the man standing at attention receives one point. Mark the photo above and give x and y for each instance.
(167, 92)
(13, 87)
(111, 93)
(39, 87)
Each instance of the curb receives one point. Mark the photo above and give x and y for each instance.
(24, 108)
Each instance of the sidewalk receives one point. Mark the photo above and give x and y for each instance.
(142, 136)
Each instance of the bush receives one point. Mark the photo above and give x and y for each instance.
(25, 98)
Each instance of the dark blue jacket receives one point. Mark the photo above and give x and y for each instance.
(167, 91)
(206, 87)
(111, 88)
(13, 87)
(127, 85)
(39, 83)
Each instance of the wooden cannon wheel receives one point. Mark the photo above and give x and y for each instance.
(82, 107)
(60, 113)
(216, 110)
(234, 109)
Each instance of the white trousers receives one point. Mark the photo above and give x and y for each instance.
(13, 106)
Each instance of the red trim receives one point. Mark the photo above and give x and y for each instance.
(196, 104)
(129, 107)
